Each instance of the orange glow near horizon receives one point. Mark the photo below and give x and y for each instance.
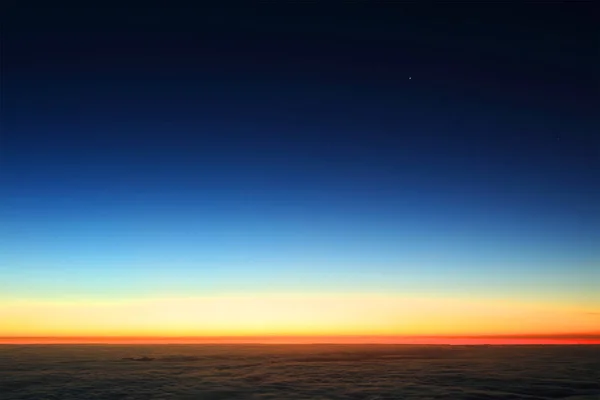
(297, 319)
(582, 339)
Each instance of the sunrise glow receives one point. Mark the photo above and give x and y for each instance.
(339, 318)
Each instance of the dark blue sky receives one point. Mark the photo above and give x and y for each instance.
(278, 140)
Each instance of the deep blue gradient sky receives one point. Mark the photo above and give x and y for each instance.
(257, 151)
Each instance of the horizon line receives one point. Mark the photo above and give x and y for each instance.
(562, 338)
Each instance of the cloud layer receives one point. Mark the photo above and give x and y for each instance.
(369, 372)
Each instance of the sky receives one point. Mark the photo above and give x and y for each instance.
(292, 170)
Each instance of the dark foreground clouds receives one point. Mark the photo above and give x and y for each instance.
(300, 372)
